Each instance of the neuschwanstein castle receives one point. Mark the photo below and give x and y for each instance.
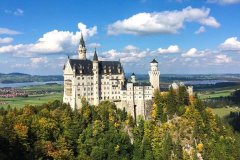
(105, 80)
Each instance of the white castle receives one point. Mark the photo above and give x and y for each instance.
(98, 81)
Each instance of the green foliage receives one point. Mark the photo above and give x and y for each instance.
(55, 131)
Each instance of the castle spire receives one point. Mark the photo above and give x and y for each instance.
(82, 49)
(82, 43)
(95, 57)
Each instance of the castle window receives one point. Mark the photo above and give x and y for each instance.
(91, 77)
(78, 78)
(82, 77)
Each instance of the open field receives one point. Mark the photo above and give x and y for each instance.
(215, 94)
(221, 112)
(45, 87)
(31, 100)
(37, 95)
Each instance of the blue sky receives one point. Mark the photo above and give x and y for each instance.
(185, 36)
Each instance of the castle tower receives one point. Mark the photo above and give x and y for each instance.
(95, 78)
(133, 78)
(82, 49)
(154, 75)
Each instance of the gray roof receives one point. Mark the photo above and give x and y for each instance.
(82, 43)
(154, 61)
(142, 84)
(95, 57)
(86, 66)
(113, 65)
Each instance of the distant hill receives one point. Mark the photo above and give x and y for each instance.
(22, 77)
(18, 74)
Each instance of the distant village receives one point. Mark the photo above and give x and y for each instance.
(12, 92)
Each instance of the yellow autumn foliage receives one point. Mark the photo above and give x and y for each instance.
(21, 130)
(200, 147)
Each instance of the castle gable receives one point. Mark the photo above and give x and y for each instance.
(67, 68)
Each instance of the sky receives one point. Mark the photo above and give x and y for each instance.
(184, 36)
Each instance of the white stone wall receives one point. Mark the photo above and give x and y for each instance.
(96, 88)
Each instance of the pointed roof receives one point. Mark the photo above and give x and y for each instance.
(133, 74)
(154, 61)
(82, 43)
(95, 57)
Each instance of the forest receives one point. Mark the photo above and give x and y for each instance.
(180, 127)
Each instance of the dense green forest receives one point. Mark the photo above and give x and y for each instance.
(181, 127)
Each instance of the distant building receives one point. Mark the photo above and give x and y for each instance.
(98, 81)
(175, 86)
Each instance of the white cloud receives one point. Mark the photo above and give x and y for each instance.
(6, 40)
(200, 30)
(9, 31)
(230, 44)
(130, 48)
(18, 12)
(173, 60)
(130, 53)
(224, 2)
(170, 49)
(94, 45)
(38, 60)
(52, 42)
(162, 22)
(221, 58)
(193, 52)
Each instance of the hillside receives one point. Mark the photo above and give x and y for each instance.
(21, 78)
(180, 127)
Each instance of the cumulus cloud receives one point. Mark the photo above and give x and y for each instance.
(6, 40)
(200, 30)
(167, 22)
(130, 53)
(221, 58)
(8, 31)
(230, 44)
(52, 42)
(94, 45)
(37, 60)
(224, 2)
(170, 49)
(193, 52)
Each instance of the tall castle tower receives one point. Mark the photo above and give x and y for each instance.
(82, 49)
(95, 78)
(154, 75)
